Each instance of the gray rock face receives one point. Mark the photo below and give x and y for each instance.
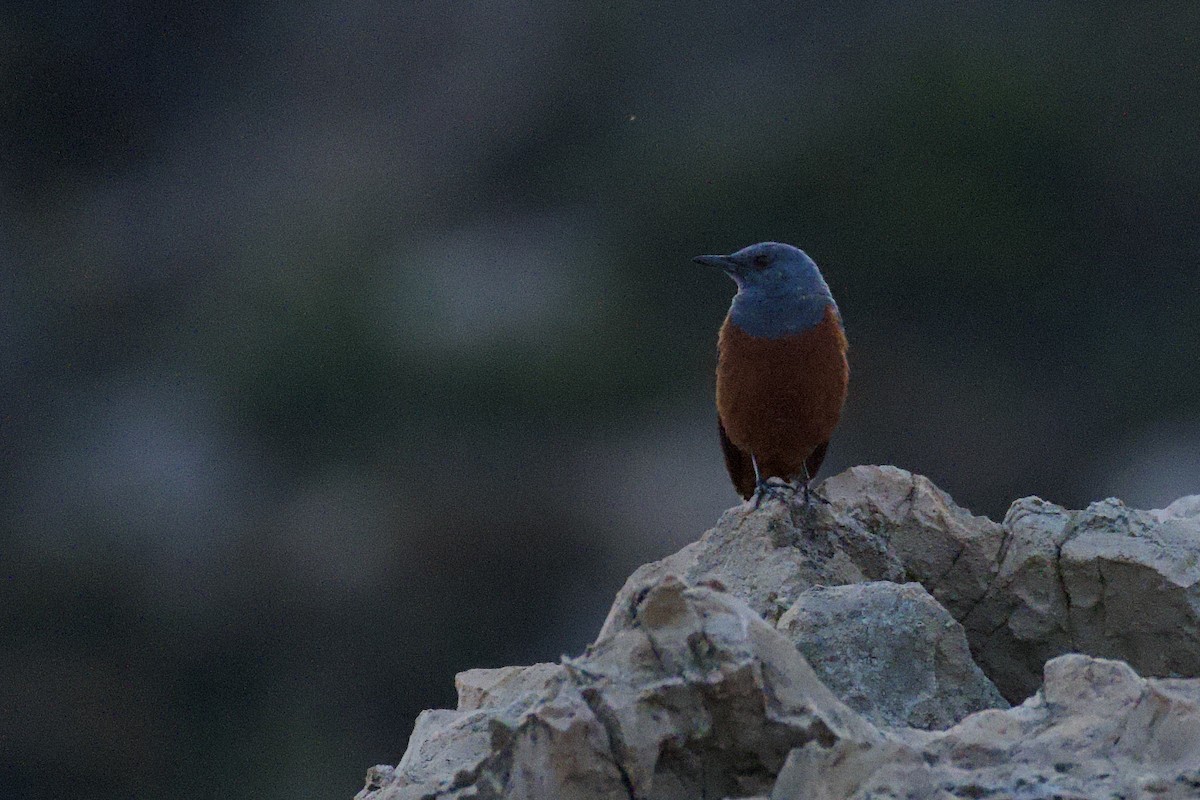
(1095, 730)
(1108, 581)
(952, 553)
(696, 696)
(770, 555)
(497, 688)
(891, 653)
(692, 688)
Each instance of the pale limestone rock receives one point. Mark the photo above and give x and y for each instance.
(891, 653)
(496, 688)
(1109, 581)
(688, 692)
(768, 556)
(694, 695)
(953, 553)
(542, 745)
(1095, 730)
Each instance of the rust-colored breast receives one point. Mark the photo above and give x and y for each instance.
(780, 399)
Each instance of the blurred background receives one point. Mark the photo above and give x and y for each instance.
(346, 346)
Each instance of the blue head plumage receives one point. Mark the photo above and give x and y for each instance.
(780, 290)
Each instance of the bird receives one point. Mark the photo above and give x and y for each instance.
(782, 371)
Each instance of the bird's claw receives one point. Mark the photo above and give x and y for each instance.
(815, 495)
(808, 495)
(779, 490)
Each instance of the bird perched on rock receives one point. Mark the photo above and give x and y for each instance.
(781, 369)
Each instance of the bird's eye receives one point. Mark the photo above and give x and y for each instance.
(761, 260)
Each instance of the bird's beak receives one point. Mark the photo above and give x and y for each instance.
(723, 262)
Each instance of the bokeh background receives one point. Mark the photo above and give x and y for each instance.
(347, 345)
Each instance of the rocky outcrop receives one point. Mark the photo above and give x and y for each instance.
(698, 684)
(694, 695)
(1108, 580)
(952, 553)
(1095, 730)
(769, 555)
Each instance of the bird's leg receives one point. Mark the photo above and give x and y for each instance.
(810, 494)
(764, 487)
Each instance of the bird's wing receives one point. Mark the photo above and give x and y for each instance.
(737, 462)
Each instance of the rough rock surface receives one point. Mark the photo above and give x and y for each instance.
(1095, 730)
(1046, 582)
(891, 653)
(951, 552)
(1108, 581)
(768, 556)
(696, 696)
(496, 688)
(691, 690)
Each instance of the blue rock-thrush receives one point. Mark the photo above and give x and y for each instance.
(781, 369)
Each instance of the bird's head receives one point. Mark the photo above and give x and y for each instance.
(771, 268)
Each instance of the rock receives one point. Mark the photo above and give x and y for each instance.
(1095, 730)
(690, 690)
(544, 744)
(891, 653)
(951, 552)
(694, 696)
(768, 556)
(496, 688)
(1108, 581)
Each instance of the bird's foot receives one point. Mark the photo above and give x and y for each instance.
(808, 495)
(773, 489)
